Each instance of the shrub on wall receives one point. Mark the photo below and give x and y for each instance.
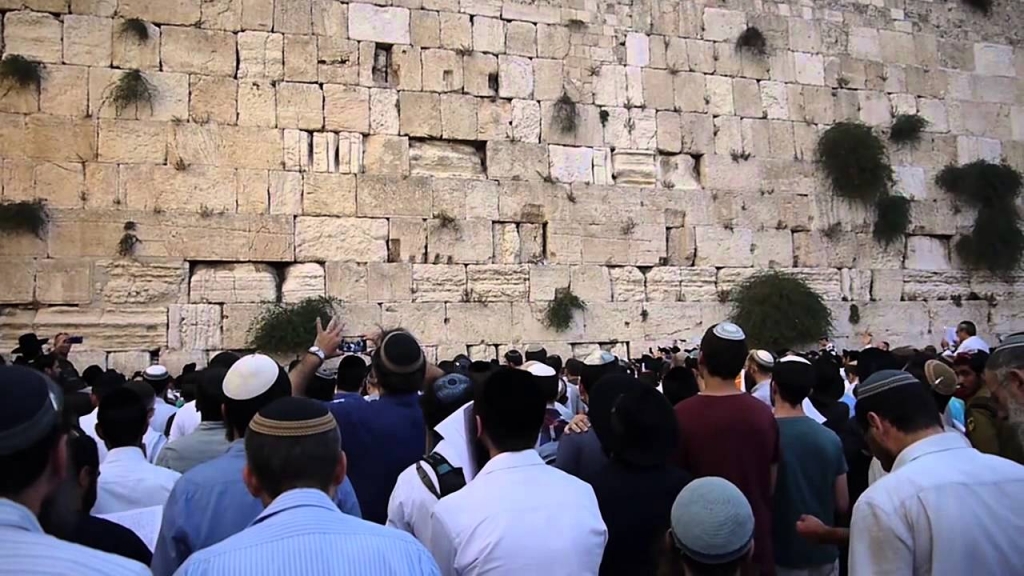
(560, 311)
(30, 217)
(907, 128)
(288, 328)
(752, 41)
(996, 243)
(778, 310)
(892, 218)
(18, 73)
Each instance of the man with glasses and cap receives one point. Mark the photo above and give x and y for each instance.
(33, 463)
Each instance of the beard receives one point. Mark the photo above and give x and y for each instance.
(1015, 413)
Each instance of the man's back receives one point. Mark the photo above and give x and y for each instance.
(734, 437)
(519, 516)
(302, 532)
(28, 551)
(128, 482)
(811, 458)
(946, 509)
(204, 444)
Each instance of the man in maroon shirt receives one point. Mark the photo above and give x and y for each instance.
(727, 433)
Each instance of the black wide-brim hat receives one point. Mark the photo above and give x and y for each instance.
(29, 343)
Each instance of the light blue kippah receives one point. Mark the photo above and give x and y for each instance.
(729, 331)
(884, 380)
(712, 521)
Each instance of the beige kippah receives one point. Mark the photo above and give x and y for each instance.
(264, 425)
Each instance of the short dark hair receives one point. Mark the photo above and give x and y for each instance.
(83, 452)
(793, 381)
(730, 568)
(122, 418)
(21, 469)
(555, 361)
(108, 382)
(223, 360)
(968, 327)
(239, 412)
(909, 408)
(285, 463)
(145, 392)
(351, 373)
(539, 355)
(976, 360)
(210, 394)
(91, 374)
(514, 358)
(828, 382)
(722, 358)
(574, 367)
(44, 362)
(510, 405)
(679, 384)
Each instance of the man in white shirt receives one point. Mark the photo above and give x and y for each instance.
(159, 379)
(186, 421)
(944, 507)
(153, 441)
(127, 481)
(512, 518)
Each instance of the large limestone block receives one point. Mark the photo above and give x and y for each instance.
(442, 71)
(927, 253)
(33, 35)
(384, 117)
(721, 173)
(257, 103)
(773, 249)
(236, 320)
(627, 284)
(293, 16)
(129, 142)
(185, 12)
(33, 137)
(146, 281)
(529, 325)
(226, 146)
(129, 362)
(425, 320)
(386, 155)
(934, 285)
(303, 281)
(515, 77)
(346, 281)
(673, 321)
(471, 242)
(479, 323)
(329, 194)
(591, 283)
(129, 53)
(144, 187)
(458, 117)
(723, 25)
(494, 119)
(723, 247)
(438, 283)
(420, 114)
(488, 35)
(552, 41)
(378, 24)
(546, 279)
(526, 121)
(232, 284)
(213, 99)
(613, 321)
(107, 329)
(260, 55)
(506, 243)
(389, 282)
(194, 327)
(17, 285)
(66, 91)
(521, 39)
(825, 281)
(445, 159)
(84, 357)
(571, 164)
(197, 51)
(346, 108)
(517, 161)
(87, 40)
(855, 284)
(407, 240)
(465, 198)
(887, 285)
(498, 283)
(300, 106)
(390, 196)
(351, 239)
(993, 59)
(634, 167)
(63, 282)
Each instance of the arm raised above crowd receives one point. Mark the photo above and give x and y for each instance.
(328, 341)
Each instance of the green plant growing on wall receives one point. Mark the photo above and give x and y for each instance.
(564, 115)
(855, 161)
(779, 310)
(907, 128)
(129, 241)
(131, 89)
(134, 28)
(752, 41)
(996, 243)
(285, 328)
(560, 311)
(446, 221)
(854, 317)
(19, 73)
(892, 218)
(31, 217)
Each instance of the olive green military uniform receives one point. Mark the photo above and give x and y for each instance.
(982, 423)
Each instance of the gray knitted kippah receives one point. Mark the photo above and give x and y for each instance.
(1011, 342)
(712, 522)
(884, 380)
(729, 331)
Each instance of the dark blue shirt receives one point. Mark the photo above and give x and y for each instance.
(380, 438)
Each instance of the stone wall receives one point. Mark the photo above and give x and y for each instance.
(407, 157)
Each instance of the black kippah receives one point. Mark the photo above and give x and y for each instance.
(400, 353)
(30, 406)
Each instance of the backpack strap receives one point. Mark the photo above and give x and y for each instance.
(449, 478)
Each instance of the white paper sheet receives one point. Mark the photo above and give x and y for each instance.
(145, 522)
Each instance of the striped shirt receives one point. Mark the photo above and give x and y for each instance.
(303, 532)
(25, 550)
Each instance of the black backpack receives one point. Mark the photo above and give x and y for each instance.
(449, 478)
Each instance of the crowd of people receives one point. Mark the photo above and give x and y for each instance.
(720, 460)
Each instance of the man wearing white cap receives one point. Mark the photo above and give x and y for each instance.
(210, 502)
(157, 377)
(758, 375)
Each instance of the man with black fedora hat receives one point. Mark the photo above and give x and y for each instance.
(33, 463)
(29, 346)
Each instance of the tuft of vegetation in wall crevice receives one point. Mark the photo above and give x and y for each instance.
(285, 328)
(779, 310)
(559, 313)
(29, 217)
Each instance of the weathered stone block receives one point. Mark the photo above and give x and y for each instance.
(438, 283)
(521, 39)
(407, 240)
(384, 111)
(466, 198)
(517, 160)
(232, 283)
(347, 108)
(141, 282)
(570, 164)
(420, 114)
(927, 253)
(993, 59)
(184, 12)
(107, 329)
(389, 282)
(529, 325)
(378, 24)
(17, 285)
(329, 194)
(300, 106)
(65, 92)
(673, 321)
(627, 284)
(128, 142)
(386, 155)
(128, 52)
(426, 321)
(257, 103)
(515, 77)
(886, 285)
(470, 243)
(552, 41)
(456, 31)
(197, 51)
(213, 99)
(638, 49)
(442, 71)
(723, 25)
(351, 239)
(390, 196)
(478, 322)
(723, 247)
(194, 327)
(346, 281)
(303, 281)
(773, 249)
(261, 55)
(33, 35)
(87, 40)
(424, 29)
(591, 283)
(498, 283)
(934, 285)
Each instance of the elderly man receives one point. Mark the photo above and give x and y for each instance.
(1004, 376)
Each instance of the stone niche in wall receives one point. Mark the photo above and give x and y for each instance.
(446, 167)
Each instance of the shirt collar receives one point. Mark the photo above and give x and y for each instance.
(14, 515)
(211, 426)
(125, 454)
(296, 498)
(931, 445)
(762, 384)
(236, 447)
(507, 460)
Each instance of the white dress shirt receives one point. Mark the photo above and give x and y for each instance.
(519, 516)
(945, 508)
(186, 420)
(153, 440)
(763, 392)
(128, 482)
(162, 412)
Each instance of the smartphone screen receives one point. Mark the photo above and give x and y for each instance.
(74, 340)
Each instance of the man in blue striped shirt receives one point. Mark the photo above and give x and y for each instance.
(294, 463)
(33, 462)
(210, 502)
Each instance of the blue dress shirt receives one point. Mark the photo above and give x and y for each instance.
(381, 439)
(25, 550)
(209, 503)
(302, 532)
